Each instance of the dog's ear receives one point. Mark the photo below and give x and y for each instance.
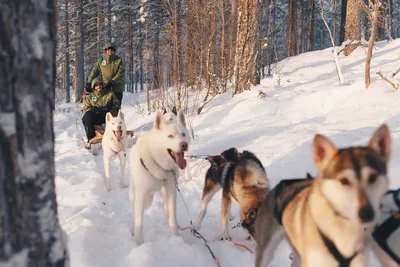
(159, 121)
(181, 118)
(174, 110)
(120, 114)
(380, 142)
(108, 117)
(323, 150)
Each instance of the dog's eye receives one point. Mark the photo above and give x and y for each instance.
(183, 135)
(252, 214)
(372, 178)
(345, 181)
(170, 136)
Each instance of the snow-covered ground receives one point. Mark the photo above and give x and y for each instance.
(279, 129)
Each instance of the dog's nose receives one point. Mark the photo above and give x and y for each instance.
(184, 146)
(366, 214)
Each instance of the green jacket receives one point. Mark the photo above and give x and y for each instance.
(111, 68)
(101, 99)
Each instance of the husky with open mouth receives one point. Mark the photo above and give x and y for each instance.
(115, 143)
(154, 163)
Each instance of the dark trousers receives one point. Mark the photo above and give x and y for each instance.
(90, 119)
(119, 96)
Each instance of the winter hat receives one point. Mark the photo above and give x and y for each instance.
(110, 45)
(96, 80)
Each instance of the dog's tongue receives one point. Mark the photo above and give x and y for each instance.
(180, 160)
(118, 135)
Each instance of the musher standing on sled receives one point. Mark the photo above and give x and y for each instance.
(112, 70)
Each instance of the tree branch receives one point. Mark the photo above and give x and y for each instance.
(395, 86)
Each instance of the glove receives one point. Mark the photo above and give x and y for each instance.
(88, 87)
(111, 85)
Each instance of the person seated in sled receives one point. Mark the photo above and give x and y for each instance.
(97, 104)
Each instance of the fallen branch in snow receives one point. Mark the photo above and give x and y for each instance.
(345, 44)
(394, 85)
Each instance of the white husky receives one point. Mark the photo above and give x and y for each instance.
(115, 143)
(154, 163)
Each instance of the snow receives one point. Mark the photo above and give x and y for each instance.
(18, 260)
(7, 122)
(279, 129)
(36, 38)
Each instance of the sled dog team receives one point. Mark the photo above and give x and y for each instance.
(334, 219)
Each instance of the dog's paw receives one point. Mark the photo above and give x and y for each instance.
(225, 237)
(122, 185)
(173, 230)
(139, 239)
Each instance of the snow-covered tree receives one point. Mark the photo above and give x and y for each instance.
(30, 234)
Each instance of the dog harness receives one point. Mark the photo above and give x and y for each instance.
(343, 261)
(144, 166)
(296, 185)
(382, 232)
(218, 162)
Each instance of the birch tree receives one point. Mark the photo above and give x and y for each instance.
(30, 234)
(335, 53)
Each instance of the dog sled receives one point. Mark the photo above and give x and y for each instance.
(94, 144)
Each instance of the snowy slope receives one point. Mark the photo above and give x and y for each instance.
(279, 129)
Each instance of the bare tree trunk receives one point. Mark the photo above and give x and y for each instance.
(130, 49)
(389, 20)
(177, 47)
(256, 76)
(98, 21)
(291, 29)
(156, 51)
(343, 21)
(141, 58)
(245, 58)
(352, 31)
(381, 21)
(374, 21)
(234, 30)
(80, 58)
(335, 4)
(267, 38)
(300, 29)
(67, 73)
(224, 65)
(30, 234)
(192, 46)
(109, 35)
(311, 27)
